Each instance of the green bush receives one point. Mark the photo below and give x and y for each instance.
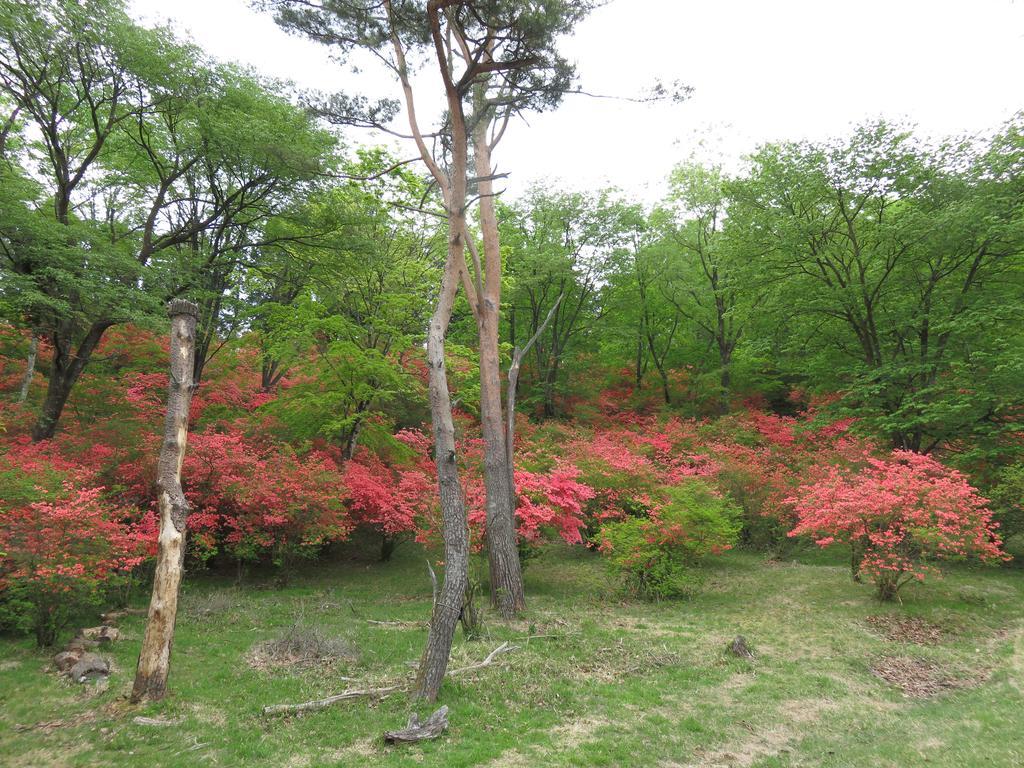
(657, 557)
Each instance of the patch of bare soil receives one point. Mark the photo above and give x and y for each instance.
(907, 629)
(920, 679)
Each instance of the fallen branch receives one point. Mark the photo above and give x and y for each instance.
(402, 624)
(156, 721)
(317, 704)
(417, 731)
(376, 693)
(505, 647)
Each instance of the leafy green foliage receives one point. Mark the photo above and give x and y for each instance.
(657, 557)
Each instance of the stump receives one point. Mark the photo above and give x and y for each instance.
(415, 731)
(739, 648)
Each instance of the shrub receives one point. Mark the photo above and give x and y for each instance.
(59, 555)
(656, 557)
(391, 500)
(897, 515)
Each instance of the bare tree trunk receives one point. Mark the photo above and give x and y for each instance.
(30, 367)
(506, 574)
(455, 530)
(155, 656)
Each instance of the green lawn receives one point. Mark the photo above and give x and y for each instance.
(596, 681)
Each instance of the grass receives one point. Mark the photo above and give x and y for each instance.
(597, 680)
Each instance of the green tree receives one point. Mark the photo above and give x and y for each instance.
(558, 251)
(894, 268)
(156, 166)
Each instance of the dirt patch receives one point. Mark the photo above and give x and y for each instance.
(512, 758)
(920, 679)
(302, 646)
(49, 757)
(907, 629)
(367, 750)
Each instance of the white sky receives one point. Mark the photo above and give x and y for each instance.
(762, 71)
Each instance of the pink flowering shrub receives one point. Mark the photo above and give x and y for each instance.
(59, 554)
(898, 515)
(394, 501)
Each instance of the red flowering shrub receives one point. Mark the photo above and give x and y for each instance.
(250, 500)
(394, 501)
(551, 501)
(897, 515)
(57, 555)
(761, 460)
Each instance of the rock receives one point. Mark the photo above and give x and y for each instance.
(81, 645)
(89, 667)
(739, 648)
(102, 634)
(65, 660)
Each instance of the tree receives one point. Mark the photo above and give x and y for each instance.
(160, 169)
(155, 656)
(496, 59)
(71, 73)
(704, 287)
(559, 251)
(885, 258)
(348, 293)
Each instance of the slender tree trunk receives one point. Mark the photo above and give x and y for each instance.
(550, 377)
(155, 656)
(455, 530)
(30, 367)
(65, 369)
(387, 547)
(502, 551)
(725, 361)
(454, 525)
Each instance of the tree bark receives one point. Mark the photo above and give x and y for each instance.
(455, 529)
(506, 574)
(155, 656)
(65, 369)
(30, 367)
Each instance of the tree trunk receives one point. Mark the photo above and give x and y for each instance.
(502, 551)
(155, 656)
(549, 392)
(30, 367)
(455, 530)
(67, 366)
(725, 360)
(454, 525)
(387, 547)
